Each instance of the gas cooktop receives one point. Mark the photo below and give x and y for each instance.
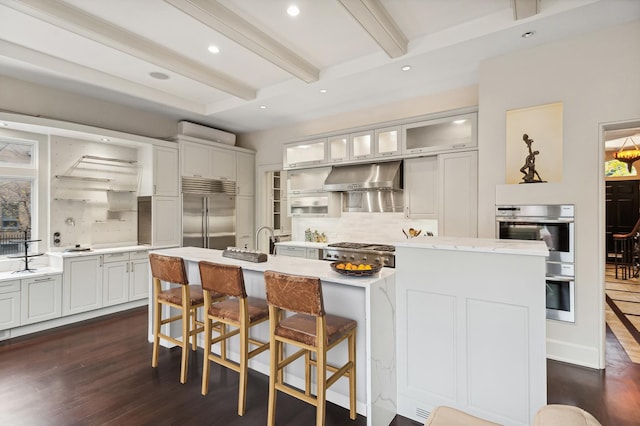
(363, 246)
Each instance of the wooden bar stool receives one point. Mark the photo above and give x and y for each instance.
(187, 298)
(240, 311)
(312, 330)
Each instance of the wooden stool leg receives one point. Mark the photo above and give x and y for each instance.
(352, 376)
(207, 352)
(194, 336)
(244, 360)
(307, 373)
(185, 335)
(157, 308)
(321, 378)
(273, 377)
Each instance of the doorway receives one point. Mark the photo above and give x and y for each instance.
(621, 290)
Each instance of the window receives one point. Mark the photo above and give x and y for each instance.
(18, 175)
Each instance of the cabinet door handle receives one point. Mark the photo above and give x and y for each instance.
(101, 261)
(127, 269)
(154, 190)
(38, 280)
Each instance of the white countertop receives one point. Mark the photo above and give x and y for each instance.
(485, 245)
(306, 244)
(38, 272)
(286, 264)
(98, 251)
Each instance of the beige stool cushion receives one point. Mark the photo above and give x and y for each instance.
(447, 416)
(563, 415)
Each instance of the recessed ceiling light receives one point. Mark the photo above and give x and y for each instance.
(459, 121)
(528, 34)
(105, 139)
(406, 68)
(293, 10)
(213, 49)
(159, 75)
(263, 107)
(323, 90)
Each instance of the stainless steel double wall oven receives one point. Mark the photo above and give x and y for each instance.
(553, 224)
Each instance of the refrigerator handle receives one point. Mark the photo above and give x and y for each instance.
(205, 223)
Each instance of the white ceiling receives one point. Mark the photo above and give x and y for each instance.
(107, 49)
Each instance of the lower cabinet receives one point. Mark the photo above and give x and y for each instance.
(41, 299)
(9, 304)
(82, 284)
(125, 277)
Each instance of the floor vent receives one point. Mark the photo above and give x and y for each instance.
(422, 413)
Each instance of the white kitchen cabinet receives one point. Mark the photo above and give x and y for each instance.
(246, 174)
(223, 164)
(245, 227)
(9, 304)
(139, 275)
(299, 251)
(338, 147)
(41, 299)
(421, 187)
(166, 222)
(195, 160)
(361, 145)
(307, 180)
(305, 153)
(82, 284)
(115, 278)
(440, 134)
(165, 171)
(458, 198)
(387, 141)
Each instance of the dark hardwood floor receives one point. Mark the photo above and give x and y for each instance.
(99, 372)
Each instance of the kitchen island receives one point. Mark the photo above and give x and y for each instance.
(368, 300)
(471, 327)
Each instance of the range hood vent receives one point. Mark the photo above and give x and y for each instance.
(365, 177)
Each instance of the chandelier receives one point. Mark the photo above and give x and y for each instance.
(628, 156)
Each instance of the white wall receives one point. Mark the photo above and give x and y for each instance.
(596, 77)
(21, 97)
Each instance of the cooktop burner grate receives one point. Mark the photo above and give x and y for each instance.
(363, 246)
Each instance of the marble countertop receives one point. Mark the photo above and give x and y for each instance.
(286, 264)
(485, 245)
(106, 250)
(306, 244)
(38, 272)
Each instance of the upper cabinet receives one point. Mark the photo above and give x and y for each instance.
(441, 134)
(338, 147)
(223, 164)
(387, 141)
(361, 145)
(307, 180)
(305, 153)
(246, 174)
(195, 160)
(165, 171)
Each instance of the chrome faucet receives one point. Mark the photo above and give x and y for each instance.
(268, 228)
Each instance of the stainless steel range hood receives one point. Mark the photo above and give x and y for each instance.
(364, 177)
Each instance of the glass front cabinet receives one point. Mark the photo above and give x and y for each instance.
(387, 141)
(361, 145)
(305, 153)
(338, 148)
(441, 134)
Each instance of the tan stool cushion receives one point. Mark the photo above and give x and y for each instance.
(302, 328)
(174, 295)
(447, 416)
(230, 309)
(563, 415)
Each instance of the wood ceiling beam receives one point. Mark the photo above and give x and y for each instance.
(523, 9)
(375, 19)
(79, 22)
(234, 27)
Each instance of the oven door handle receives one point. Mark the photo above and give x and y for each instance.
(532, 220)
(559, 278)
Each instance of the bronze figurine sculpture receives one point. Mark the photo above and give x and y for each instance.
(529, 168)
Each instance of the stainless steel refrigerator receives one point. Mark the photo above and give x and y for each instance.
(208, 213)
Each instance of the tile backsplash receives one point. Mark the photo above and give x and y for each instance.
(361, 227)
